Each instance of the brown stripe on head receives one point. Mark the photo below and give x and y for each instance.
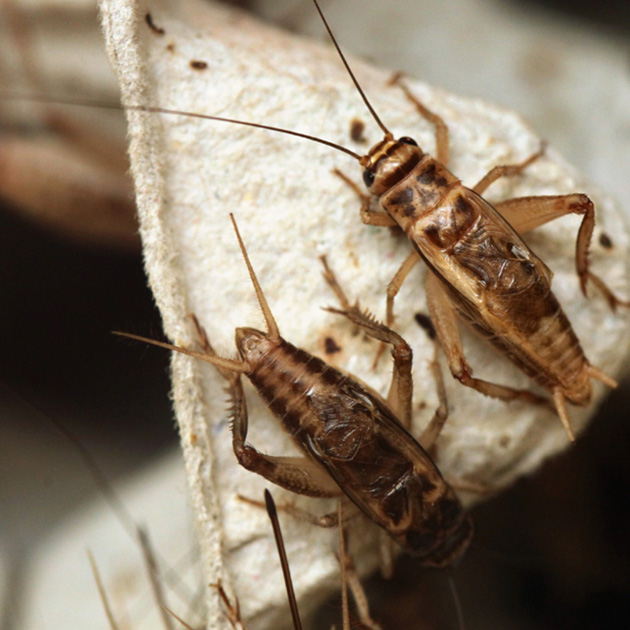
(389, 162)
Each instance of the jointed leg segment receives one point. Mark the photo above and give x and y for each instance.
(527, 213)
(442, 149)
(444, 319)
(401, 389)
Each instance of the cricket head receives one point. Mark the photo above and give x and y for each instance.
(388, 162)
(253, 345)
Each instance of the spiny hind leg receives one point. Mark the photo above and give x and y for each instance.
(442, 149)
(298, 474)
(444, 319)
(401, 388)
(527, 213)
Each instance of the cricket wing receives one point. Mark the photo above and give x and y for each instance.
(383, 469)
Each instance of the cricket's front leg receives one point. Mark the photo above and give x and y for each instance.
(297, 474)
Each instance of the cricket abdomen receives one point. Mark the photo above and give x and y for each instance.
(285, 376)
(549, 350)
(352, 433)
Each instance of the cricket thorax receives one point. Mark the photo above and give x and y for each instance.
(421, 194)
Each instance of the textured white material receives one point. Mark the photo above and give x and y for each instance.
(190, 174)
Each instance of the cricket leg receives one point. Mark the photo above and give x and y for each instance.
(231, 610)
(350, 512)
(506, 170)
(442, 148)
(527, 213)
(349, 577)
(392, 291)
(378, 218)
(440, 415)
(298, 474)
(396, 282)
(444, 319)
(401, 388)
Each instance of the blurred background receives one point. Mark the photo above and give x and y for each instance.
(549, 553)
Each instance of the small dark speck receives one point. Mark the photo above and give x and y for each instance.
(170, 47)
(330, 346)
(504, 441)
(424, 321)
(156, 29)
(198, 65)
(357, 127)
(605, 241)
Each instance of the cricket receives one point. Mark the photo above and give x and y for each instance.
(479, 269)
(355, 442)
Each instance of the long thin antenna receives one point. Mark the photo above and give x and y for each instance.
(228, 364)
(386, 131)
(456, 600)
(272, 326)
(286, 571)
(84, 102)
(102, 593)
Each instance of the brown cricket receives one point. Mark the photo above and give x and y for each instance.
(355, 442)
(480, 270)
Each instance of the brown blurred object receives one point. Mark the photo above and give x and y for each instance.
(66, 173)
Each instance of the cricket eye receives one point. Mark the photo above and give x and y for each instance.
(408, 140)
(368, 177)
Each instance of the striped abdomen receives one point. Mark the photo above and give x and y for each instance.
(354, 435)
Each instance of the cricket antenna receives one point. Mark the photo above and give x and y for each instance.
(286, 572)
(386, 131)
(456, 600)
(86, 102)
(232, 365)
(272, 326)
